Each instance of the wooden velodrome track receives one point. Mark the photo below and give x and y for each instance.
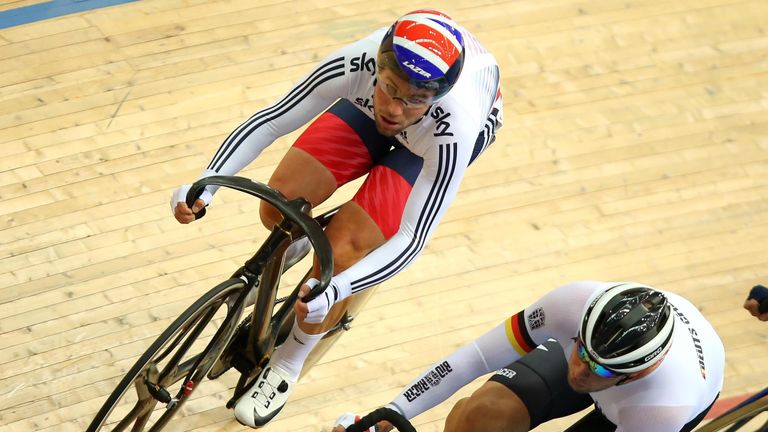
(635, 147)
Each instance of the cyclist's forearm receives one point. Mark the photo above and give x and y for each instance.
(308, 98)
(481, 356)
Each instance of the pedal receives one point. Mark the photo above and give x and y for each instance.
(346, 322)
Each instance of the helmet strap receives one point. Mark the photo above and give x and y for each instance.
(626, 379)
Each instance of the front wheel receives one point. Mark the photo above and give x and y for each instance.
(172, 367)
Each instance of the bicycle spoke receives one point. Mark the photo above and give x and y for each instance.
(190, 339)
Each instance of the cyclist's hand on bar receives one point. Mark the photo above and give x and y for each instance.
(181, 211)
(347, 419)
(315, 310)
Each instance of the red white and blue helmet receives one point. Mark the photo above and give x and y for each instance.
(426, 48)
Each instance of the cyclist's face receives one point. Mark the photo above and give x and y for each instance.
(397, 105)
(582, 379)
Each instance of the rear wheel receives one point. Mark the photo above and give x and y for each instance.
(164, 377)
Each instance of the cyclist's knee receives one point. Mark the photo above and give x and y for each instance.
(269, 215)
(352, 234)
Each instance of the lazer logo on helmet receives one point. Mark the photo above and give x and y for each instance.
(417, 69)
(653, 354)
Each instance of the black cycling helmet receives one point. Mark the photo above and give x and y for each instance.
(627, 327)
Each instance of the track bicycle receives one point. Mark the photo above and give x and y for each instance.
(735, 419)
(741, 415)
(206, 339)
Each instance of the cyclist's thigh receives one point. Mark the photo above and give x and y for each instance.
(540, 380)
(339, 146)
(374, 213)
(386, 190)
(344, 141)
(299, 174)
(352, 234)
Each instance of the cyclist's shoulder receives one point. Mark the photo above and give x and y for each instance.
(359, 56)
(462, 113)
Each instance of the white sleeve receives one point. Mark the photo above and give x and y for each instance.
(325, 84)
(488, 353)
(432, 193)
(557, 314)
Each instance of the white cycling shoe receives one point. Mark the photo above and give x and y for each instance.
(347, 419)
(265, 398)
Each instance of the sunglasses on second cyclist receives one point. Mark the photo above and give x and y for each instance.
(596, 368)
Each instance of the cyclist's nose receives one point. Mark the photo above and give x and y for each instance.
(396, 107)
(578, 367)
(581, 370)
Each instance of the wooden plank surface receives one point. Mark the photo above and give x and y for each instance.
(634, 148)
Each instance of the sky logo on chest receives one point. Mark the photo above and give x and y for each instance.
(442, 125)
(363, 63)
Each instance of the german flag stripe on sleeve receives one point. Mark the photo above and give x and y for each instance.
(518, 335)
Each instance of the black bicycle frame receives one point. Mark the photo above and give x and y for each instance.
(263, 271)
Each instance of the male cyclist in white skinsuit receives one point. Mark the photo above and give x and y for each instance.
(411, 106)
(648, 360)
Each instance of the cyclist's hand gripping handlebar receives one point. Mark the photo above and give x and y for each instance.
(191, 202)
(382, 414)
